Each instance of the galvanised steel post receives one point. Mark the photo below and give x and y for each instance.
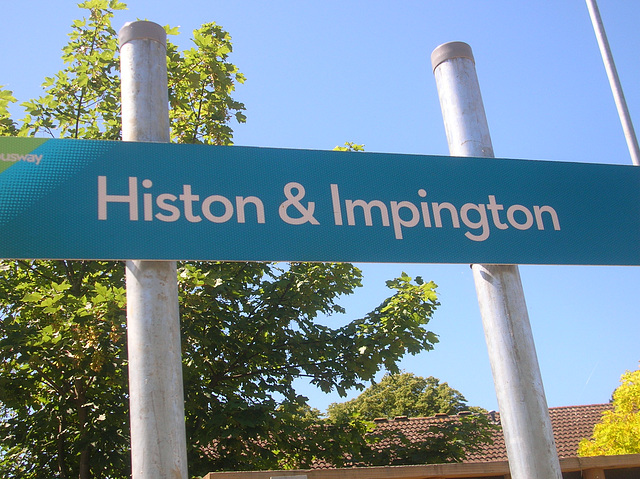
(614, 82)
(516, 374)
(158, 438)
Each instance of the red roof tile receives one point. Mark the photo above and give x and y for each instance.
(570, 425)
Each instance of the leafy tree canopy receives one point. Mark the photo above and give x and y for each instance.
(248, 329)
(405, 394)
(618, 432)
(402, 394)
(7, 126)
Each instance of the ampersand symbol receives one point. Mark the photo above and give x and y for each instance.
(294, 200)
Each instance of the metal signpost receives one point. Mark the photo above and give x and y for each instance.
(523, 406)
(156, 399)
(614, 81)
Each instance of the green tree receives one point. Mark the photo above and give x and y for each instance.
(248, 329)
(7, 126)
(402, 394)
(83, 99)
(405, 394)
(618, 432)
(63, 371)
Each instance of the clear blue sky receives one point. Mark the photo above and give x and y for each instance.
(322, 73)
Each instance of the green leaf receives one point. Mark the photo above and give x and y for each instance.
(172, 30)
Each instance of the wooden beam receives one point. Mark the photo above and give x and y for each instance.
(599, 462)
(438, 471)
(428, 471)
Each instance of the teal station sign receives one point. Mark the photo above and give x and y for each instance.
(85, 199)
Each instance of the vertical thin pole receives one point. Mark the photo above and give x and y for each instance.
(516, 374)
(614, 81)
(158, 438)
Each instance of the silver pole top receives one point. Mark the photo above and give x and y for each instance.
(142, 30)
(450, 50)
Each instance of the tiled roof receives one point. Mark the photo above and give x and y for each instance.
(570, 425)
(414, 428)
(573, 423)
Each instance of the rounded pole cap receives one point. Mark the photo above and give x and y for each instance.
(450, 50)
(142, 30)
